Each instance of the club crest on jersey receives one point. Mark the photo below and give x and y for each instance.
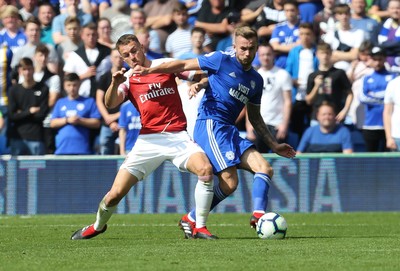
(230, 155)
(80, 106)
(252, 84)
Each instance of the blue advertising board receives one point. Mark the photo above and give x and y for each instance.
(76, 184)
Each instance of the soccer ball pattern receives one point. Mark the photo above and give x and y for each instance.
(271, 226)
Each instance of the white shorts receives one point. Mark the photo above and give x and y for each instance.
(151, 150)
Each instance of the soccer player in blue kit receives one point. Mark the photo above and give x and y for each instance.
(232, 84)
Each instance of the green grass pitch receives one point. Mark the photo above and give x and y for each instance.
(322, 241)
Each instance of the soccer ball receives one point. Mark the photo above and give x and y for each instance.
(271, 226)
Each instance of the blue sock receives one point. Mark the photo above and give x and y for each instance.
(219, 196)
(260, 191)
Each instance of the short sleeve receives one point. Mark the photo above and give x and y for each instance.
(211, 61)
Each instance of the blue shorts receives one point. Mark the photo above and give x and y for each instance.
(221, 142)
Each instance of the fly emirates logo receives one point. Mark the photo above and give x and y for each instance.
(240, 93)
(155, 90)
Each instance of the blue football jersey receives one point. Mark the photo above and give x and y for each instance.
(284, 34)
(74, 139)
(13, 42)
(130, 120)
(230, 87)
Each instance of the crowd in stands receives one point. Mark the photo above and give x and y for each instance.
(330, 70)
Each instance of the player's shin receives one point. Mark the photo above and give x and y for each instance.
(203, 196)
(103, 215)
(218, 196)
(261, 185)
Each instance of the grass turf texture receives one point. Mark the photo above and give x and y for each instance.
(323, 241)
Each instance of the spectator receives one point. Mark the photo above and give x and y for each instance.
(327, 136)
(389, 35)
(12, 35)
(143, 35)
(193, 7)
(59, 34)
(324, 20)
(159, 18)
(272, 14)
(372, 96)
(251, 11)
(29, 8)
(46, 15)
(104, 33)
(345, 40)
(72, 42)
(136, 3)
(179, 41)
(285, 35)
(226, 44)
(308, 9)
(119, 16)
(212, 17)
(276, 99)
(360, 20)
(28, 106)
(138, 21)
(109, 123)
(52, 81)
(74, 116)
(129, 127)
(359, 68)
(302, 56)
(32, 31)
(379, 10)
(5, 83)
(197, 38)
(90, 61)
(97, 7)
(391, 115)
(328, 84)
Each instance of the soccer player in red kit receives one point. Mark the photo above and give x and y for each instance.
(163, 137)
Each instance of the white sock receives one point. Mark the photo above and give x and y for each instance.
(203, 196)
(104, 214)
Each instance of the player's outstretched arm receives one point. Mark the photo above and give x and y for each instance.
(197, 87)
(255, 118)
(175, 66)
(113, 97)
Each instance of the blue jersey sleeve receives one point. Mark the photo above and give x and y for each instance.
(258, 86)
(94, 111)
(55, 114)
(305, 140)
(211, 62)
(122, 121)
(346, 139)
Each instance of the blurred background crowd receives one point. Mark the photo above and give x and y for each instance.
(330, 70)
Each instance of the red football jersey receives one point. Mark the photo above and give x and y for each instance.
(157, 99)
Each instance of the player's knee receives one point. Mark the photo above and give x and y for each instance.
(267, 169)
(205, 172)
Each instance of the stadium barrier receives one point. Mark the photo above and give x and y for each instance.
(308, 183)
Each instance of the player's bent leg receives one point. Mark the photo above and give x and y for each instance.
(121, 186)
(253, 161)
(228, 180)
(227, 185)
